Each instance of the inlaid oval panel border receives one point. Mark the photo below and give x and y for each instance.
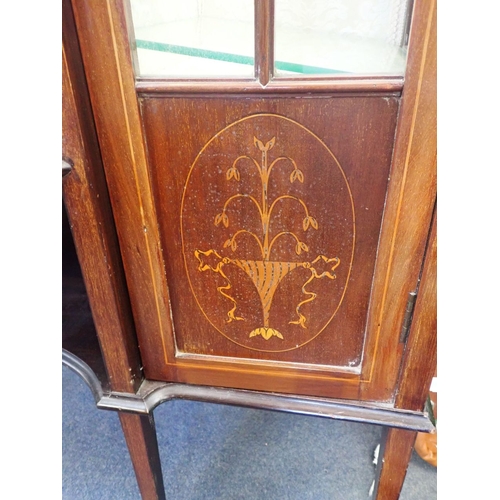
(268, 233)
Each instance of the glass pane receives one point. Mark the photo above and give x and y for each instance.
(194, 38)
(341, 36)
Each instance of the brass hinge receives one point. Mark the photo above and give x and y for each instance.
(410, 305)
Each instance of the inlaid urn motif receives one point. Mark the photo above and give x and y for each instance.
(267, 224)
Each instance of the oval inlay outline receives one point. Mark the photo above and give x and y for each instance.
(211, 261)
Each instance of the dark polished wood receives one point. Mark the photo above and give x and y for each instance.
(417, 371)
(140, 435)
(103, 36)
(264, 41)
(86, 199)
(342, 186)
(372, 85)
(149, 250)
(175, 152)
(151, 394)
(394, 456)
(79, 335)
(417, 130)
(89, 376)
(409, 206)
(420, 358)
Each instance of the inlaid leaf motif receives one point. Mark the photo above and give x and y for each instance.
(297, 174)
(218, 219)
(304, 247)
(232, 172)
(225, 219)
(309, 221)
(267, 333)
(270, 144)
(259, 144)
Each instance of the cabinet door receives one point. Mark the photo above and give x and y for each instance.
(271, 224)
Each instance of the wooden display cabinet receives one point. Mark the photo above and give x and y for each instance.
(266, 241)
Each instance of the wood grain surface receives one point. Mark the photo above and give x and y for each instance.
(89, 212)
(343, 188)
(142, 443)
(420, 357)
(264, 41)
(104, 40)
(155, 150)
(409, 206)
(393, 459)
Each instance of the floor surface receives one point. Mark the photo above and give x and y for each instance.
(217, 452)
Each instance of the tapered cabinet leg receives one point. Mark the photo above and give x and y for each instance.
(394, 456)
(140, 435)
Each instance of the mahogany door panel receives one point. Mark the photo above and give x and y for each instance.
(269, 215)
(269, 218)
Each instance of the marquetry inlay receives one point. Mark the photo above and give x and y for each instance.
(268, 230)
